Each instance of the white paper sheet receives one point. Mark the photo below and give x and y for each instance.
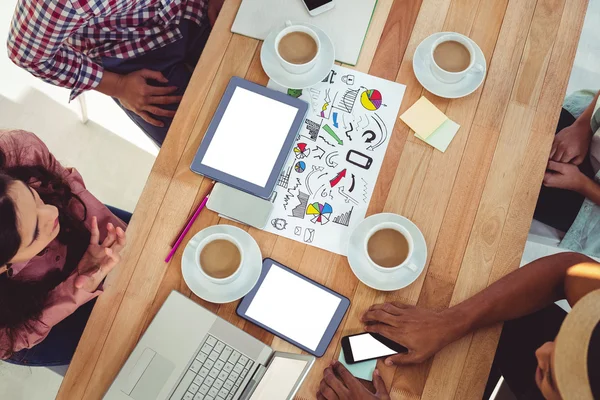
(326, 185)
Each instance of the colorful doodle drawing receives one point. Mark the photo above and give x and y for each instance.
(335, 137)
(329, 159)
(344, 219)
(298, 211)
(326, 108)
(371, 99)
(315, 169)
(348, 79)
(279, 223)
(301, 150)
(298, 231)
(329, 77)
(300, 167)
(335, 121)
(338, 178)
(294, 92)
(346, 102)
(383, 133)
(321, 212)
(359, 159)
(365, 192)
(313, 129)
(309, 235)
(353, 184)
(346, 196)
(318, 153)
(284, 178)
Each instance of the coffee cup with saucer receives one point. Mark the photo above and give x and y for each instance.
(442, 83)
(383, 278)
(297, 76)
(229, 288)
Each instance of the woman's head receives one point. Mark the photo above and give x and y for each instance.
(27, 224)
(544, 375)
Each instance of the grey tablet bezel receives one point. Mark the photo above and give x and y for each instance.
(230, 180)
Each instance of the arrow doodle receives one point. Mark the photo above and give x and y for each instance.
(318, 150)
(348, 131)
(352, 186)
(335, 137)
(338, 178)
(315, 169)
(347, 197)
(384, 133)
(329, 159)
(371, 136)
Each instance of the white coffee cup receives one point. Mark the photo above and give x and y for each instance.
(453, 77)
(297, 68)
(407, 263)
(210, 239)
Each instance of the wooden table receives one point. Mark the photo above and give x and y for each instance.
(473, 203)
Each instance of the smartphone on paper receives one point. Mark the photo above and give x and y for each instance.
(369, 346)
(316, 7)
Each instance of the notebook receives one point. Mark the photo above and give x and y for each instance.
(346, 24)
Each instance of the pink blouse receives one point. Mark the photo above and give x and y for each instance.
(24, 148)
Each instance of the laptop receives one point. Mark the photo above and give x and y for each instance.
(190, 353)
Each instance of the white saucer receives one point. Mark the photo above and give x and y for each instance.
(275, 71)
(422, 69)
(213, 292)
(373, 278)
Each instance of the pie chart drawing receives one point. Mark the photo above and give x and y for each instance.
(300, 167)
(371, 99)
(301, 151)
(321, 212)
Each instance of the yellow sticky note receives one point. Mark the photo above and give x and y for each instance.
(442, 136)
(423, 117)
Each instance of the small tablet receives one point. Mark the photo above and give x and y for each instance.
(294, 307)
(250, 137)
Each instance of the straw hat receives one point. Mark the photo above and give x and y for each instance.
(574, 339)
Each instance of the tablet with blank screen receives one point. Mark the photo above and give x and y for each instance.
(250, 137)
(294, 307)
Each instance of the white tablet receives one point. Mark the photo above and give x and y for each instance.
(250, 137)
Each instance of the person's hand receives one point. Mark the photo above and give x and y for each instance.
(571, 145)
(423, 332)
(564, 176)
(135, 94)
(100, 258)
(214, 8)
(339, 384)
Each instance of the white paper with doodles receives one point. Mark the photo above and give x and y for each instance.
(325, 188)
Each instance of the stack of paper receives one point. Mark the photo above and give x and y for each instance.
(430, 124)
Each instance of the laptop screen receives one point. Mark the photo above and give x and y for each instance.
(280, 379)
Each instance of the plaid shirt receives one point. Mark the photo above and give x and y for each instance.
(62, 41)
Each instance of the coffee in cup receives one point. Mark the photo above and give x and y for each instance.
(452, 57)
(219, 257)
(389, 247)
(297, 47)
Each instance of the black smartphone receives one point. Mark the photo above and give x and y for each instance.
(369, 346)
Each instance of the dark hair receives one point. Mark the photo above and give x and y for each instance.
(593, 362)
(22, 302)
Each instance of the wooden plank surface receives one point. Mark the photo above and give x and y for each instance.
(473, 203)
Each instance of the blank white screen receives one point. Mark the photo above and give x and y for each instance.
(293, 307)
(366, 346)
(250, 136)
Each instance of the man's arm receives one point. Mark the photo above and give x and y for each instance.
(522, 292)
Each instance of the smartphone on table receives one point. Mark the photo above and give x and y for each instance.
(316, 7)
(369, 346)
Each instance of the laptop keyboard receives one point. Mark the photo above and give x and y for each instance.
(216, 373)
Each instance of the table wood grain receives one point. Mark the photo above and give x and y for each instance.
(473, 203)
